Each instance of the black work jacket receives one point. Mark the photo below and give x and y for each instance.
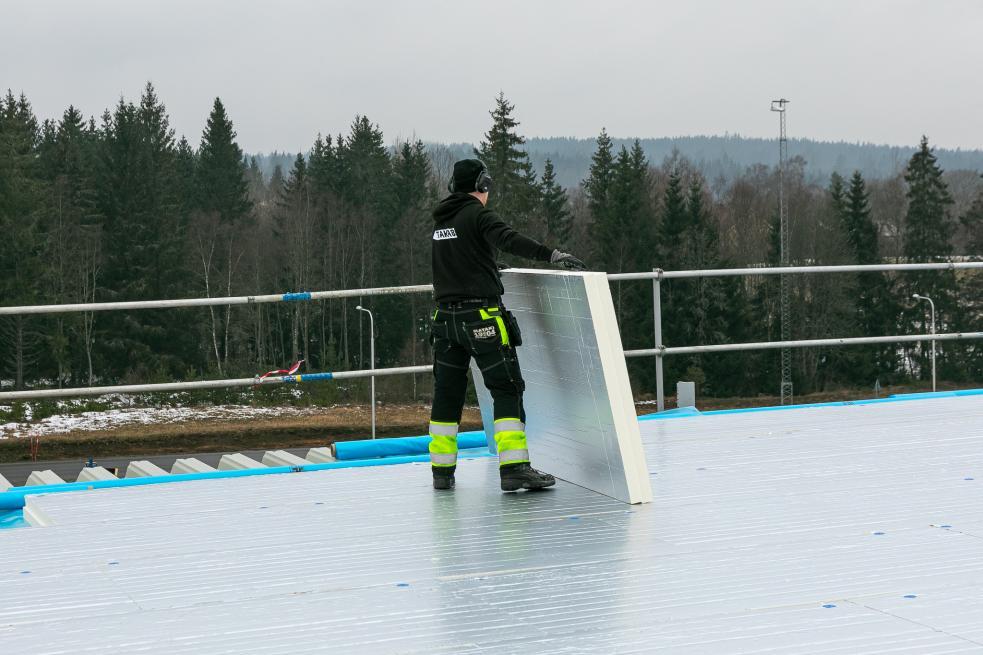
(466, 235)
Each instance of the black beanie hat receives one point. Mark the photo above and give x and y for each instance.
(466, 174)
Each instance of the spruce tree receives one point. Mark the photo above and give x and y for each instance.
(837, 194)
(860, 229)
(515, 193)
(673, 225)
(928, 228)
(186, 164)
(875, 306)
(295, 229)
(626, 238)
(21, 190)
(365, 169)
(597, 187)
(72, 239)
(704, 311)
(555, 210)
(139, 196)
(220, 173)
(972, 284)
(400, 318)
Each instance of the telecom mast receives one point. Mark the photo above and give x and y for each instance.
(786, 318)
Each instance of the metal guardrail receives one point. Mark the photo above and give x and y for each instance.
(302, 296)
(658, 275)
(210, 384)
(658, 352)
(805, 343)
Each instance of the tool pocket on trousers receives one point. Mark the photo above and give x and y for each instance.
(438, 330)
(484, 335)
(515, 335)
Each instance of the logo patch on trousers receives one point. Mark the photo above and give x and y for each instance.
(484, 332)
(447, 233)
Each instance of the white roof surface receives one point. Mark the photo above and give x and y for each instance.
(855, 529)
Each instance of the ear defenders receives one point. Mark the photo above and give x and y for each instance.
(482, 183)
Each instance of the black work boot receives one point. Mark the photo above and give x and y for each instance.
(443, 477)
(524, 476)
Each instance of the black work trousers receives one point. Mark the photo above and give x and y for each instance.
(457, 336)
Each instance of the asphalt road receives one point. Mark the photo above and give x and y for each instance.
(68, 469)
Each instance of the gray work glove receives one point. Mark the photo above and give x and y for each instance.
(567, 261)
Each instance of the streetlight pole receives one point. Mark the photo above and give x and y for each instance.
(372, 358)
(932, 304)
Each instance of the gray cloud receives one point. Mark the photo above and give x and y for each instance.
(880, 71)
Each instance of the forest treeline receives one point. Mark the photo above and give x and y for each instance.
(119, 208)
(721, 159)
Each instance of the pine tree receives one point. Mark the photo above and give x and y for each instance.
(928, 228)
(555, 211)
(515, 193)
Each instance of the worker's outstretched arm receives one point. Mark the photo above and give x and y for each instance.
(502, 236)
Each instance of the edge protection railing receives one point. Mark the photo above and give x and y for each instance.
(660, 350)
(658, 275)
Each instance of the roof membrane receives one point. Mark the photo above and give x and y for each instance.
(849, 529)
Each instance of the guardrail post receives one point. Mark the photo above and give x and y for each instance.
(660, 391)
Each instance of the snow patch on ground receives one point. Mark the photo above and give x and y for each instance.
(115, 418)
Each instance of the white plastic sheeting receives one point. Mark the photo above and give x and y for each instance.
(190, 465)
(238, 462)
(93, 473)
(143, 468)
(47, 476)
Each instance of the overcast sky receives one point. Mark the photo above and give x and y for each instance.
(859, 70)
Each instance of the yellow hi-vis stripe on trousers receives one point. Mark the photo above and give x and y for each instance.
(485, 315)
(510, 438)
(443, 443)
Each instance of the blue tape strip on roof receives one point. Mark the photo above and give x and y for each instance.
(14, 499)
(685, 412)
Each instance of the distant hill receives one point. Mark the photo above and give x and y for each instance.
(717, 156)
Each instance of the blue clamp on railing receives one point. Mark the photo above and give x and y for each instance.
(295, 297)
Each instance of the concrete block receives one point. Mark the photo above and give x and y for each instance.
(190, 465)
(238, 462)
(320, 455)
(282, 458)
(94, 473)
(4, 483)
(685, 394)
(143, 469)
(43, 477)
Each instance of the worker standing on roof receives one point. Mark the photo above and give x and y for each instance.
(470, 321)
